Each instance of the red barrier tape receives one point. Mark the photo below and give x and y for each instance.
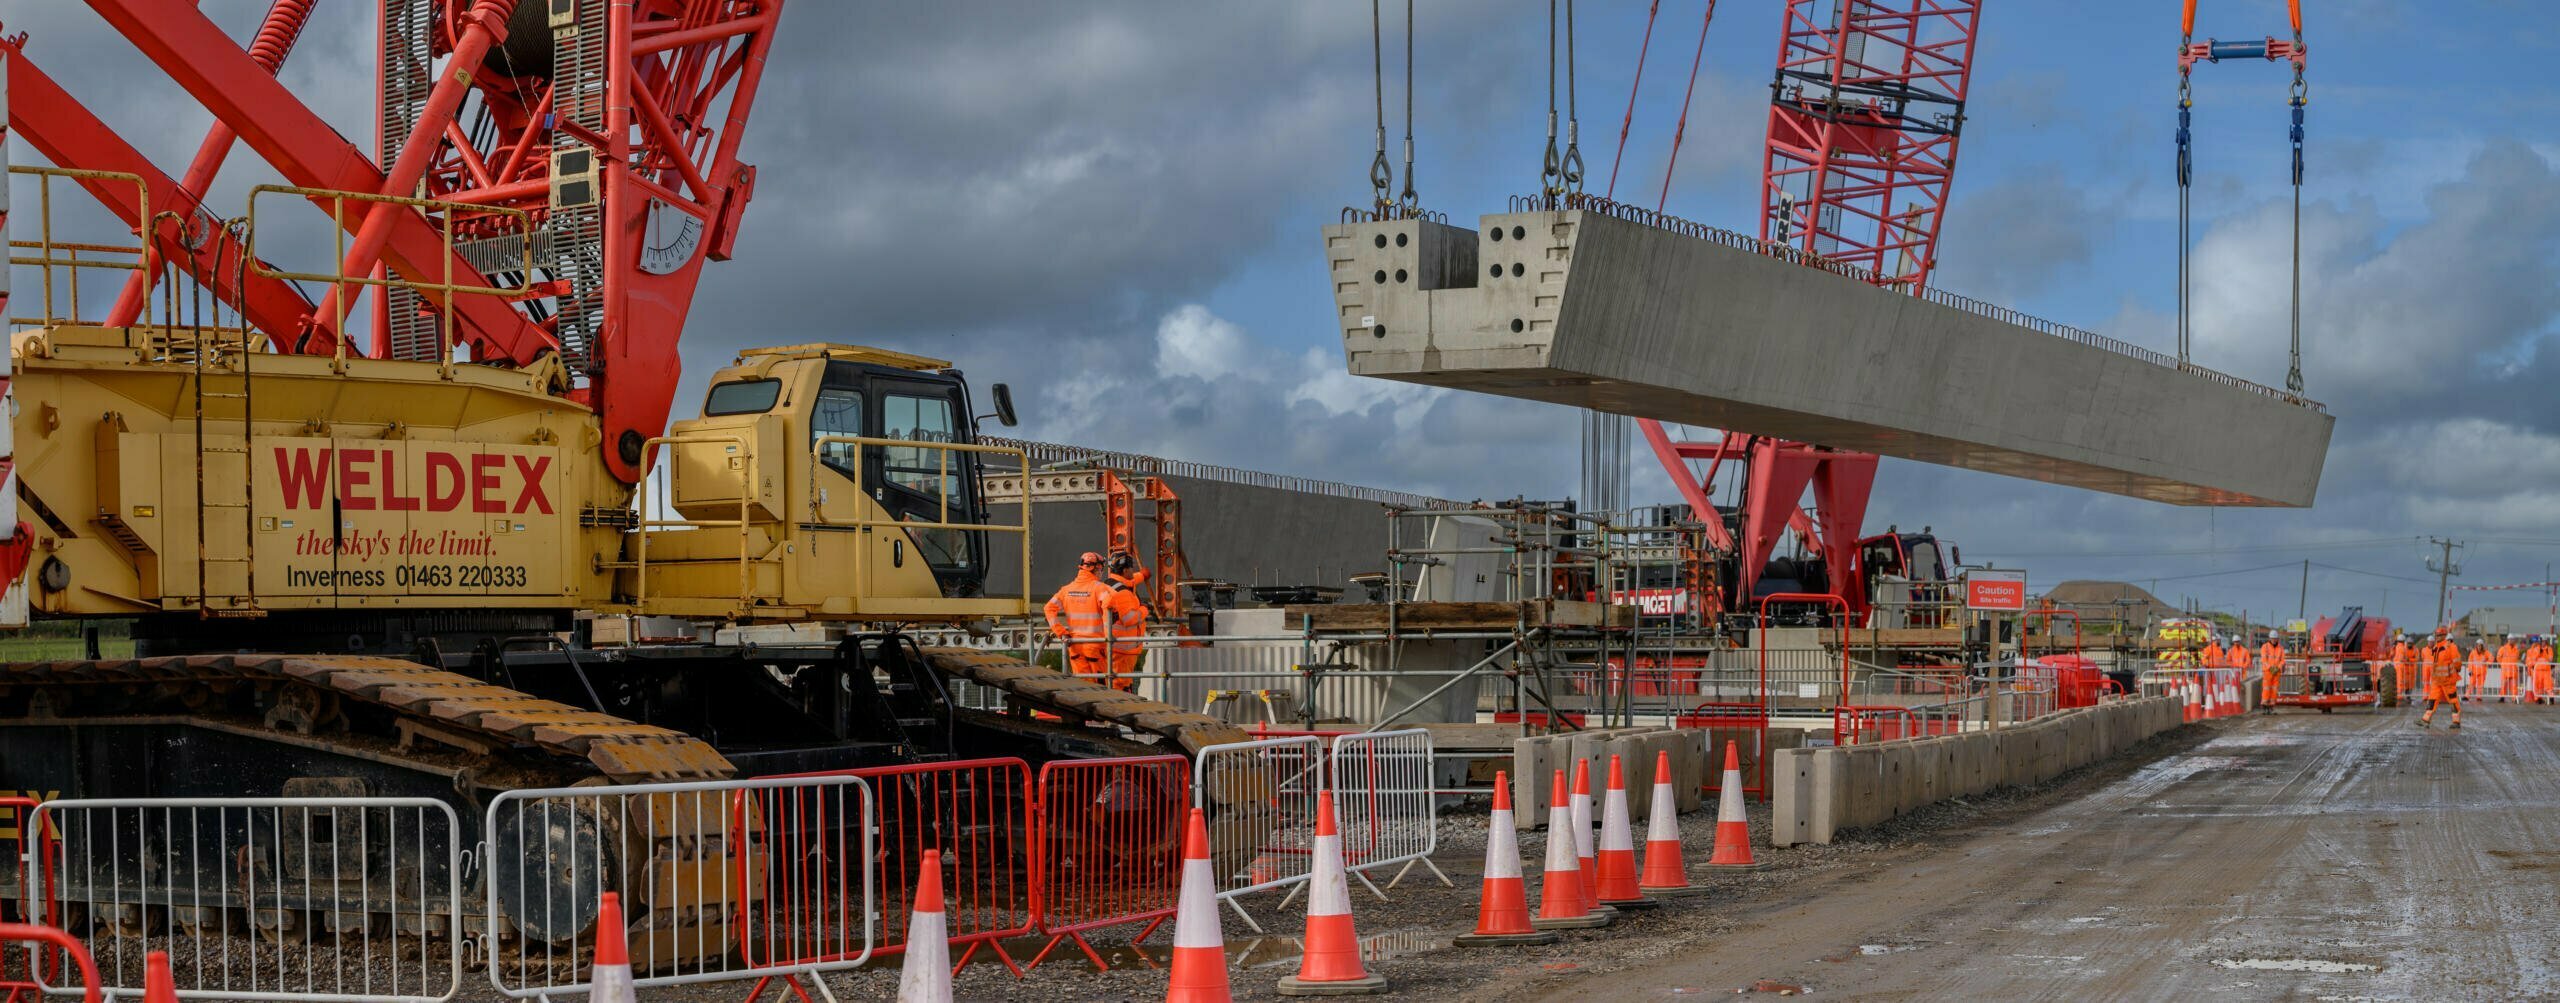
(1110, 847)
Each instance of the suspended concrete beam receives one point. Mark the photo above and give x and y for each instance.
(1702, 327)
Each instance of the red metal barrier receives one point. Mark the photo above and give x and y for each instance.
(1110, 847)
(1747, 723)
(977, 812)
(1851, 725)
(56, 943)
(19, 979)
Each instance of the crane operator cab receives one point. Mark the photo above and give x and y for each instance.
(825, 482)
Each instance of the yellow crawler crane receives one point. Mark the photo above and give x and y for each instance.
(352, 575)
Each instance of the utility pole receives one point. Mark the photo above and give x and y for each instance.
(2445, 569)
(2303, 610)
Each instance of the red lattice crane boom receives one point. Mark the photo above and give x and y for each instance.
(608, 129)
(1866, 110)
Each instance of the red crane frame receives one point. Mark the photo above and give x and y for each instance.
(1866, 111)
(645, 136)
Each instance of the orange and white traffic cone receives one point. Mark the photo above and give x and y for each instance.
(1733, 828)
(1329, 963)
(2187, 691)
(1584, 851)
(1664, 873)
(926, 977)
(2212, 699)
(1502, 915)
(610, 981)
(1560, 902)
(159, 985)
(1199, 946)
(1617, 857)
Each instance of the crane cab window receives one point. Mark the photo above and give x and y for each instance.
(837, 412)
(742, 397)
(935, 472)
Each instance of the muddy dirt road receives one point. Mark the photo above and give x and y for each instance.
(2305, 856)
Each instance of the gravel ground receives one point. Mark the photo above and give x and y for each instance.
(1409, 934)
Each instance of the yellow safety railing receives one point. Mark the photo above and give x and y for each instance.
(62, 260)
(744, 523)
(443, 213)
(943, 453)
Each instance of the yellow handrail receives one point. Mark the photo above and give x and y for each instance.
(746, 494)
(444, 213)
(70, 261)
(817, 460)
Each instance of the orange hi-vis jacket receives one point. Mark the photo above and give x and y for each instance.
(2510, 668)
(2271, 653)
(2210, 657)
(2237, 657)
(2444, 671)
(2404, 659)
(2538, 657)
(2478, 664)
(1078, 611)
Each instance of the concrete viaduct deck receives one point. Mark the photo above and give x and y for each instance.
(1659, 318)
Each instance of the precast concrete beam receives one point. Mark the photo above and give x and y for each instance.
(1700, 327)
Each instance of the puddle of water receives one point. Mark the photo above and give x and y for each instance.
(2088, 919)
(2296, 965)
(1267, 952)
(1874, 950)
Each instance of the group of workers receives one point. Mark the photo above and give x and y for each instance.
(2505, 672)
(2442, 670)
(1101, 618)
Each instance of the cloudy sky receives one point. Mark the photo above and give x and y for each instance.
(1114, 206)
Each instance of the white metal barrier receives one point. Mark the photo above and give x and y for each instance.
(1384, 802)
(694, 863)
(260, 898)
(1261, 801)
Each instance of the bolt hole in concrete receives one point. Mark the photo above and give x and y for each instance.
(1399, 240)
(1497, 269)
(1516, 325)
(2319, 965)
(1496, 233)
(1519, 234)
(1379, 276)
(1517, 269)
(1382, 240)
(1379, 331)
(1399, 276)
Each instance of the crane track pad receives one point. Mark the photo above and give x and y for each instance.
(1061, 693)
(622, 750)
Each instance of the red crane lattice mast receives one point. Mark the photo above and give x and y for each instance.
(612, 126)
(1866, 110)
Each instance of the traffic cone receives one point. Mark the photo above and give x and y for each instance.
(1199, 946)
(610, 982)
(158, 984)
(1583, 851)
(1733, 828)
(1560, 903)
(1664, 873)
(2187, 691)
(1502, 915)
(1329, 962)
(1617, 857)
(927, 975)
(2212, 702)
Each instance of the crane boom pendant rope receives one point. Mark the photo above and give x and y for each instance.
(1409, 200)
(1381, 174)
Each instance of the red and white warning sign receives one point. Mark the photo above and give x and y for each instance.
(1995, 590)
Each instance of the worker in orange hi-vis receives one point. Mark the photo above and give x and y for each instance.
(2537, 657)
(2404, 663)
(2271, 653)
(1076, 616)
(2211, 656)
(2444, 680)
(1128, 632)
(2510, 671)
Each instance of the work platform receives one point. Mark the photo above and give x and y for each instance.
(1659, 318)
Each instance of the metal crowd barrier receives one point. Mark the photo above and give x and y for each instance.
(46, 939)
(18, 965)
(341, 898)
(1384, 802)
(978, 813)
(1110, 847)
(1261, 800)
(674, 852)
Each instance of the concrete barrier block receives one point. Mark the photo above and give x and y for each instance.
(1792, 797)
(1692, 764)
(1831, 792)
